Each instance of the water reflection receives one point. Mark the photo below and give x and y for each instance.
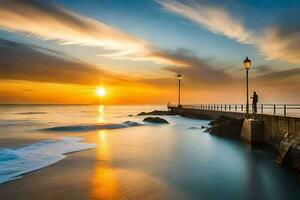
(105, 182)
(101, 114)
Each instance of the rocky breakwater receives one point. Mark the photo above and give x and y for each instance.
(288, 151)
(225, 126)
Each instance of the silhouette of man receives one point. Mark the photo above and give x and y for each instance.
(254, 102)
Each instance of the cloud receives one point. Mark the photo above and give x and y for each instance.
(28, 62)
(42, 20)
(278, 42)
(217, 20)
(33, 63)
(278, 45)
(200, 73)
(283, 75)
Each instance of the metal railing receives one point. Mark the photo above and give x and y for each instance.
(274, 109)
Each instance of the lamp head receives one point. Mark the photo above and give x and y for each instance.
(179, 77)
(247, 63)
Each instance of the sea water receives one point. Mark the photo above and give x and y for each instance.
(135, 159)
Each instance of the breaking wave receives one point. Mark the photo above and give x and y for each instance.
(16, 162)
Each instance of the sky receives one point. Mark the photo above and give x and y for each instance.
(61, 51)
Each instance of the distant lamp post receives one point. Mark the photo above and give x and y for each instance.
(179, 79)
(247, 65)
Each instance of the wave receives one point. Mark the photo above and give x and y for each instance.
(16, 162)
(81, 128)
(31, 113)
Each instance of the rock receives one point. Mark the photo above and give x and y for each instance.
(157, 112)
(203, 127)
(282, 150)
(130, 123)
(156, 120)
(226, 126)
(291, 158)
(130, 115)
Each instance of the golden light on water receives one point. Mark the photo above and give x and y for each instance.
(105, 182)
(101, 91)
(101, 114)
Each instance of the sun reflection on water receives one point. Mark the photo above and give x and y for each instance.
(105, 182)
(101, 114)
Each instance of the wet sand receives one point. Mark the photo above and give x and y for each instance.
(67, 179)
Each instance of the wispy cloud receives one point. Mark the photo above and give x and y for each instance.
(42, 20)
(31, 63)
(274, 43)
(217, 20)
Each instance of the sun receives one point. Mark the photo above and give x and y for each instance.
(100, 92)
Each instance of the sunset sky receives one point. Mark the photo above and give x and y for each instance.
(62, 51)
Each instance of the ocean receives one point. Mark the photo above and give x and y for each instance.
(118, 156)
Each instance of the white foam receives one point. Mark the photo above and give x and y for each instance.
(16, 162)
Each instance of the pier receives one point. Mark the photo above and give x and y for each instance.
(275, 121)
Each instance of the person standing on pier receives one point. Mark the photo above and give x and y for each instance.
(254, 102)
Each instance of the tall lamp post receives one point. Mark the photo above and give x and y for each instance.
(247, 65)
(179, 79)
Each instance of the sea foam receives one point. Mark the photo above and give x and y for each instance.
(16, 162)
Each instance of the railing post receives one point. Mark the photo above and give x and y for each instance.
(221, 107)
(242, 107)
(235, 107)
(262, 108)
(229, 107)
(274, 109)
(284, 110)
(225, 106)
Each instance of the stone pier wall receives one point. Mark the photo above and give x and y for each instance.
(279, 126)
(274, 127)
